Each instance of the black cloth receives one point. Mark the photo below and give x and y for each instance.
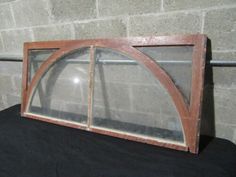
(30, 148)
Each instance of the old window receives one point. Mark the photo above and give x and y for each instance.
(143, 89)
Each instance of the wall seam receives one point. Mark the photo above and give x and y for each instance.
(223, 51)
(1, 40)
(49, 11)
(226, 124)
(12, 14)
(4, 100)
(204, 9)
(124, 16)
(128, 27)
(32, 34)
(203, 22)
(162, 6)
(64, 23)
(72, 28)
(97, 9)
(120, 16)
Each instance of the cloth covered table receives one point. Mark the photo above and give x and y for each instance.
(30, 148)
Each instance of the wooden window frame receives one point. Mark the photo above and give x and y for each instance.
(190, 115)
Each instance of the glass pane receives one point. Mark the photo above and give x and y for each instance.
(177, 62)
(62, 91)
(36, 58)
(128, 98)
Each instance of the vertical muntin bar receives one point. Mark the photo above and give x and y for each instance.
(91, 86)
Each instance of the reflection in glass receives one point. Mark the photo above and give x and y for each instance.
(177, 62)
(62, 91)
(128, 98)
(36, 58)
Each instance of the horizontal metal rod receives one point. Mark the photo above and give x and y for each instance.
(103, 61)
(133, 62)
(221, 63)
(10, 60)
(13, 58)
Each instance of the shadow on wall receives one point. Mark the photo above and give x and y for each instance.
(208, 109)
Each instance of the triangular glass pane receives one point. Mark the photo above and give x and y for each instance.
(36, 58)
(177, 62)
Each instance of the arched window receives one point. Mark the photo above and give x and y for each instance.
(143, 89)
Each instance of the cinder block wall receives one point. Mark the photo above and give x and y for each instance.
(35, 20)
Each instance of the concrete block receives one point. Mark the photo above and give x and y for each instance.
(6, 84)
(224, 77)
(220, 28)
(179, 23)
(11, 68)
(6, 17)
(3, 1)
(31, 13)
(128, 7)
(13, 100)
(101, 29)
(2, 103)
(71, 10)
(224, 105)
(58, 32)
(229, 56)
(234, 136)
(1, 44)
(17, 83)
(14, 39)
(225, 131)
(200, 4)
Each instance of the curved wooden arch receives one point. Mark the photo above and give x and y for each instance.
(155, 69)
(189, 116)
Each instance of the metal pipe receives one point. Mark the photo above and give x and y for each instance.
(221, 63)
(9, 58)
